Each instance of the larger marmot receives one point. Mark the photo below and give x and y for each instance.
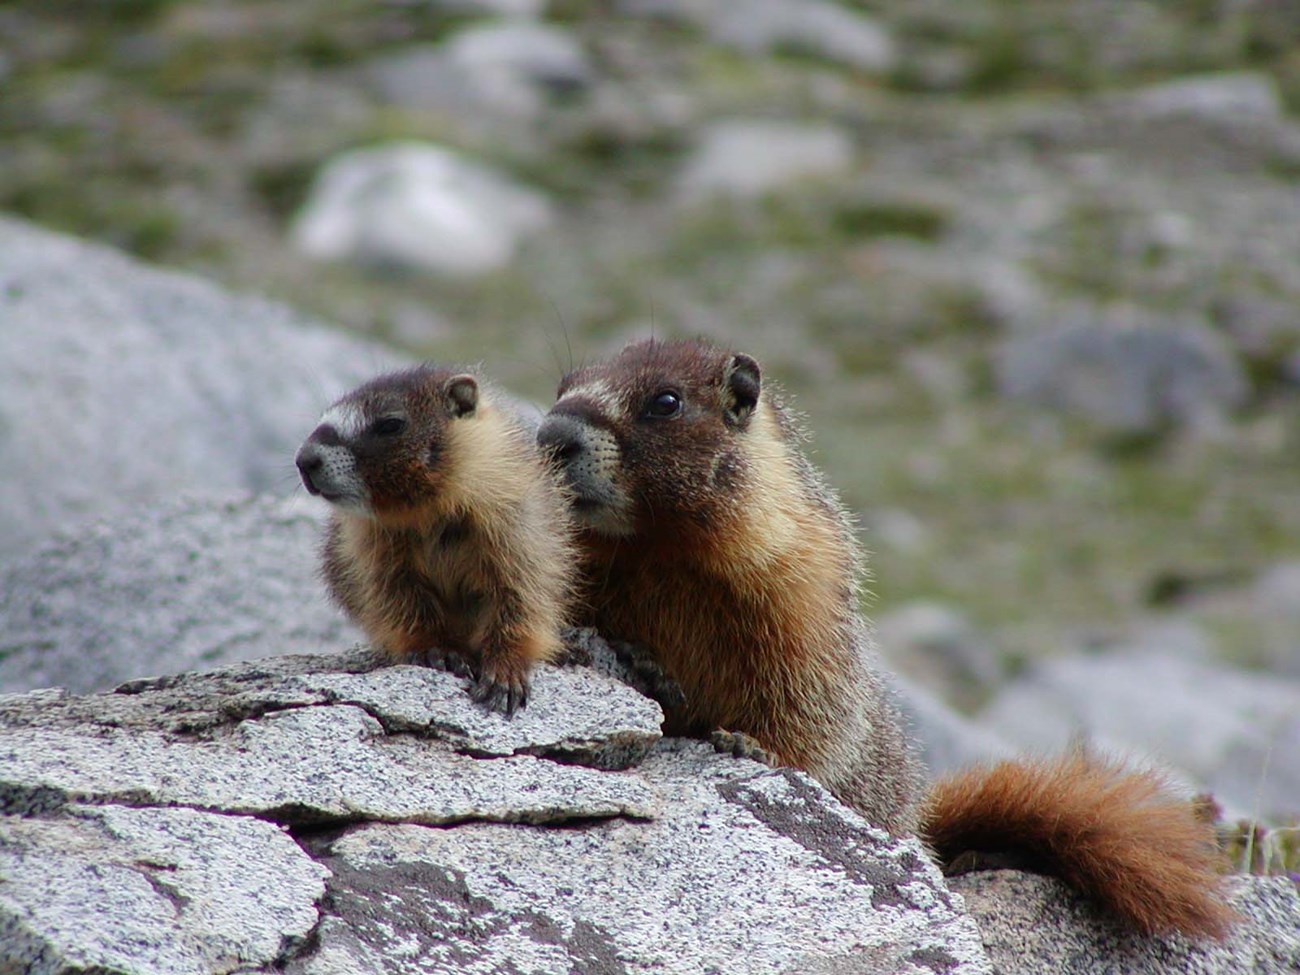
(709, 537)
(450, 539)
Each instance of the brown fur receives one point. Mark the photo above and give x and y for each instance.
(740, 572)
(1118, 836)
(462, 546)
(710, 538)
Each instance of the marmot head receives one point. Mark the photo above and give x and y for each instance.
(655, 435)
(381, 450)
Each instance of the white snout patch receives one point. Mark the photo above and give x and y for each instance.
(347, 418)
(597, 391)
(601, 502)
(338, 478)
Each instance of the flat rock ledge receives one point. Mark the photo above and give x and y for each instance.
(328, 814)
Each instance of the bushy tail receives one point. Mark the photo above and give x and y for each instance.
(1119, 836)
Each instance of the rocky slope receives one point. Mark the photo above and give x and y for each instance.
(164, 530)
(316, 814)
(1030, 266)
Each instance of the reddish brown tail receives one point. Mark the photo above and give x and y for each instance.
(1118, 836)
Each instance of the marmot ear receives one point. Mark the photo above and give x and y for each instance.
(743, 381)
(462, 394)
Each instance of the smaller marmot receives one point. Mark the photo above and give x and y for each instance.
(449, 540)
(708, 537)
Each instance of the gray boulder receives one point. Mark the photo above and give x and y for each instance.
(521, 50)
(122, 386)
(166, 800)
(1260, 611)
(1235, 733)
(1278, 588)
(303, 740)
(102, 887)
(750, 157)
(192, 584)
(759, 27)
(1125, 373)
(743, 871)
(1032, 925)
(416, 206)
(1274, 602)
(327, 814)
(505, 8)
(507, 68)
(1227, 95)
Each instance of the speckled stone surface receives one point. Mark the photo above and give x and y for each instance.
(1033, 924)
(328, 814)
(746, 869)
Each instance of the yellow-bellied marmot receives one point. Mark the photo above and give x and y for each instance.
(709, 537)
(449, 539)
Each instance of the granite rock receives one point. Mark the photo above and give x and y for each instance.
(760, 27)
(745, 157)
(1228, 95)
(158, 384)
(1032, 924)
(192, 583)
(509, 69)
(661, 896)
(279, 816)
(123, 889)
(268, 740)
(1125, 373)
(414, 206)
(1234, 733)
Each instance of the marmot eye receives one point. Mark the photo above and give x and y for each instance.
(388, 426)
(664, 404)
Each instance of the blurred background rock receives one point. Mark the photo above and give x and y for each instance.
(1032, 269)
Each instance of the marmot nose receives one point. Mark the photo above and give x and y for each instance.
(309, 461)
(564, 437)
